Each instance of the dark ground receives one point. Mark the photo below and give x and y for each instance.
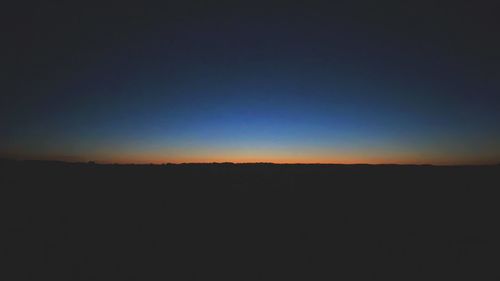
(249, 222)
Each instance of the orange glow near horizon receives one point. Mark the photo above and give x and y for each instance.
(261, 156)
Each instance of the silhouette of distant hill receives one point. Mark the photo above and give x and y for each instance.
(249, 221)
(60, 162)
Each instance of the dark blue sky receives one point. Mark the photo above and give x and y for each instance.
(347, 81)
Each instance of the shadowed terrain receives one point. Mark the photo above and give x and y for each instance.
(249, 222)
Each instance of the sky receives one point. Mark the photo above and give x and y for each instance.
(409, 82)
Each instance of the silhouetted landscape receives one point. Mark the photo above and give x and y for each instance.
(87, 221)
(225, 94)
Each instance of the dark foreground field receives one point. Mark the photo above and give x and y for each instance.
(249, 222)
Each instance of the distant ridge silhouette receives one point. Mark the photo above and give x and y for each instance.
(91, 162)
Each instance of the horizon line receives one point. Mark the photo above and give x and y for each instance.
(90, 162)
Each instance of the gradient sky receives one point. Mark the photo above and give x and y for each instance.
(350, 82)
